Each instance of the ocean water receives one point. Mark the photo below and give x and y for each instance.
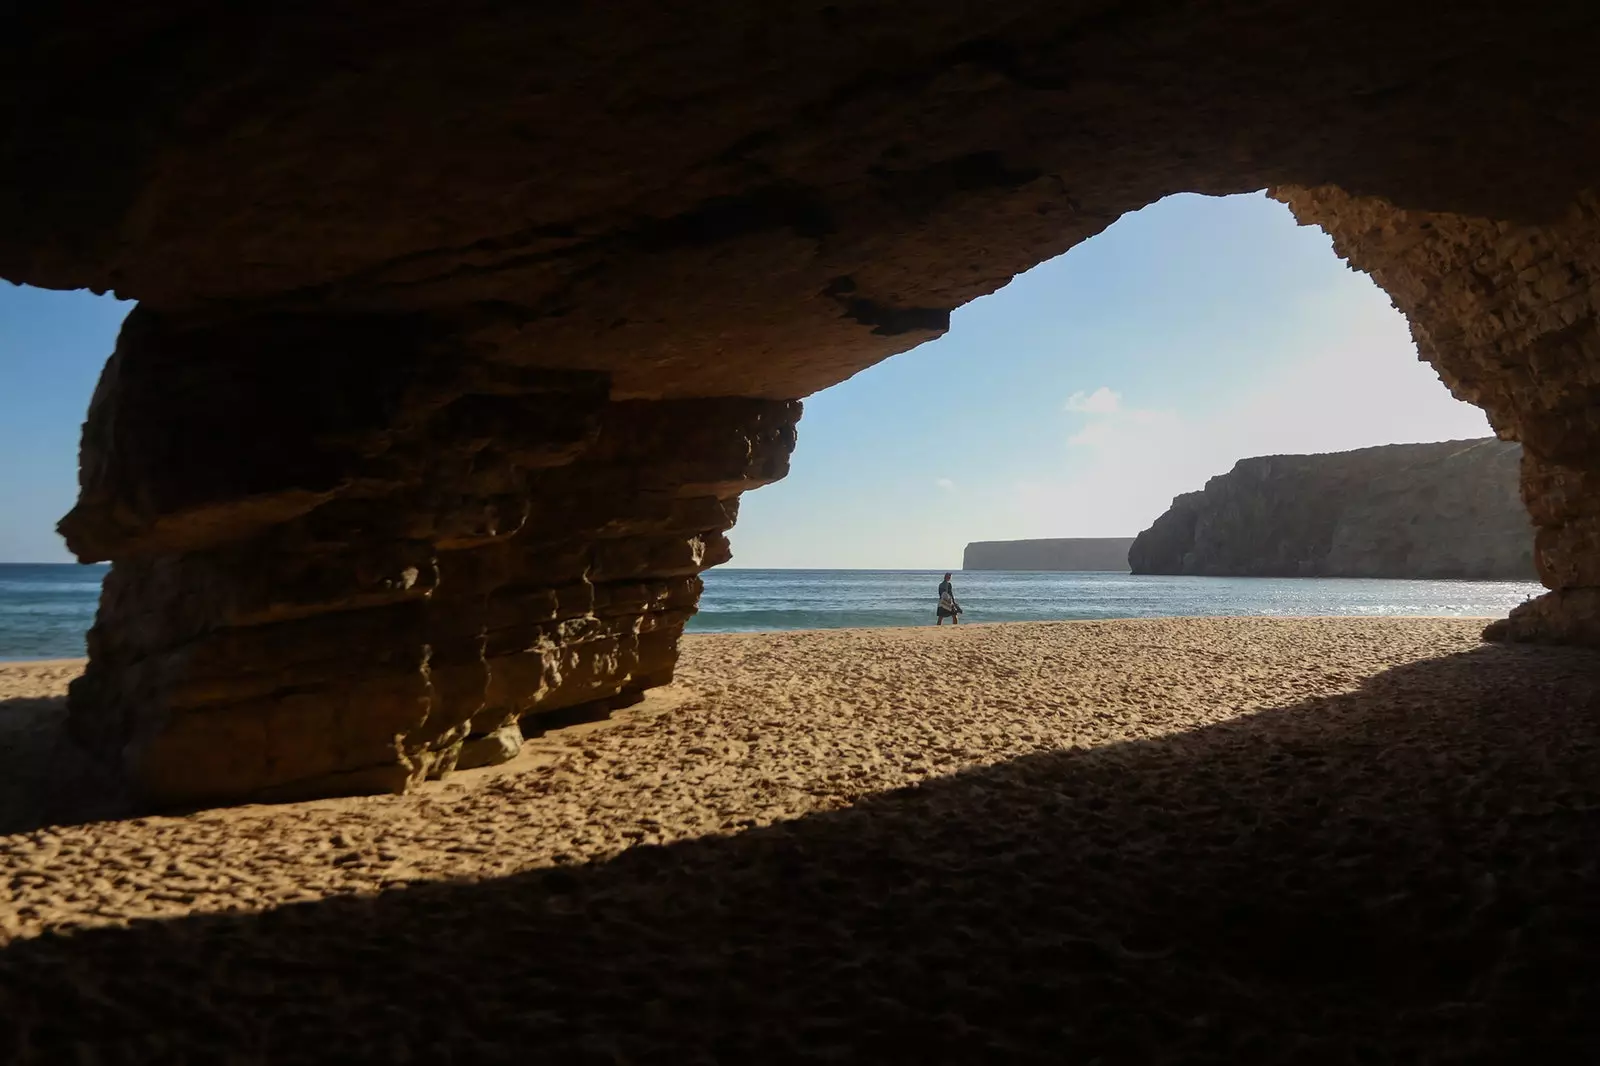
(743, 600)
(45, 610)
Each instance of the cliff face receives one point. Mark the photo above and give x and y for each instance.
(1446, 510)
(1061, 553)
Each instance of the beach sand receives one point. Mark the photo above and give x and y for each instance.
(32, 715)
(1185, 840)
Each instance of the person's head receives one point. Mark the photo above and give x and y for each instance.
(947, 577)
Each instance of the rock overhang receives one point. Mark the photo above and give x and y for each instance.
(735, 203)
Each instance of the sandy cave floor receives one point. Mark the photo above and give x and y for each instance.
(1243, 840)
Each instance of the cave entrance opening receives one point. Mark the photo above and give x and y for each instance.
(1080, 399)
(1077, 400)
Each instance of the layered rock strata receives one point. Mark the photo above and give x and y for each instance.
(1445, 510)
(342, 562)
(1509, 314)
(720, 200)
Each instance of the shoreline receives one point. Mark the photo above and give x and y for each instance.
(33, 692)
(7, 664)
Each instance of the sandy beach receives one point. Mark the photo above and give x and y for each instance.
(1195, 840)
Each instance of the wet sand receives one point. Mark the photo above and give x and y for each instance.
(1196, 840)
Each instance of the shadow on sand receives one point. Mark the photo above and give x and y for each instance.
(1409, 873)
(46, 779)
(31, 732)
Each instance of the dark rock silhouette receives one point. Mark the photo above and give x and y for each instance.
(449, 310)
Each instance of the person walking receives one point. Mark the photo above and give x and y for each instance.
(948, 607)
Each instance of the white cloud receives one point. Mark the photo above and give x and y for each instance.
(1092, 435)
(1109, 420)
(1358, 387)
(1313, 368)
(1101, 401)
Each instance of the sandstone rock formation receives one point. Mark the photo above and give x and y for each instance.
(1510, 316)
(1059, 553)
(453, 312)
(1445, 510)
(430, 549)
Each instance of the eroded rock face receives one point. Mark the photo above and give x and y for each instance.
(1507, 313)
(1445, 510)
(445, 243)
(436, 549)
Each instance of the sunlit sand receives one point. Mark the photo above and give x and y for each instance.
(1141, 839)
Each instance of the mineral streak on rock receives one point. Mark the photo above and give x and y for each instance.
(402, 269)
(1445, 510)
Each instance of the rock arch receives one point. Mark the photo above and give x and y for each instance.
(462, 326)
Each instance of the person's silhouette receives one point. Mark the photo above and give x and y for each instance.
(948, 607)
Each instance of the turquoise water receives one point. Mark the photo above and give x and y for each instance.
(45, 610)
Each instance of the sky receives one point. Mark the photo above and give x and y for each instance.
(52, 346)
(1074, 402)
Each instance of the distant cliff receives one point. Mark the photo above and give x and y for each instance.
(1447, 510)
(1068, 553)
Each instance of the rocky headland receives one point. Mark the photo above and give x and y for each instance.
(1060, 553)
(1446, 510)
